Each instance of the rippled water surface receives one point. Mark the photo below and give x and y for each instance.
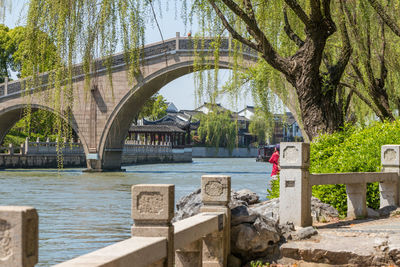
(81, 212)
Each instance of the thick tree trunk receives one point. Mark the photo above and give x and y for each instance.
(319, 111)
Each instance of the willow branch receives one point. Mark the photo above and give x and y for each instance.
(263, 46)
(383, 69)
(315, 12)
(299, 12)
(348, 100)
(289, 32)
(390, 22)
(363, 98)
(344, 57)
(232, 31)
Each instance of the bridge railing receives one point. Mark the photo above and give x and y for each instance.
(50, 148)
(201, 240)
(25, 86)
(296, 183)
(150, 148)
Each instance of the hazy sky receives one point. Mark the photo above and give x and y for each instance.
(180, 91)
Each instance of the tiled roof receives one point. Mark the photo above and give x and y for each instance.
(155, 129)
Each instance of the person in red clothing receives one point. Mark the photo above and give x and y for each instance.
(275, 163)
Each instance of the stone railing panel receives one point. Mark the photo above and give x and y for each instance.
(135, 251)
(296, 183)
(352, 178)
(19, 235)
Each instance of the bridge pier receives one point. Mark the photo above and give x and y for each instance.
(109, 162)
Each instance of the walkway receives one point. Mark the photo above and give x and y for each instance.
(365, 242)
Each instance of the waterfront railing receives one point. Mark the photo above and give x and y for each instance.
(201, 240)
(296, 183)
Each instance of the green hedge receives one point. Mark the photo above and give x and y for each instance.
(350, 150)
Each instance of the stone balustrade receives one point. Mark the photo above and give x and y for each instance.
(154, 148)
(296, 183)
(201, 240)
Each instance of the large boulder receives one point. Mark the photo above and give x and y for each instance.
(253, 235)
(190, 205)
(246, 195)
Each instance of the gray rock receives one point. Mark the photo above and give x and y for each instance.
(371, 213)
(242, 214)
(304, 233)
(188, 206)
(322, 212)
(254, 240)
(247, 196)
(268, 209)
(387, 211)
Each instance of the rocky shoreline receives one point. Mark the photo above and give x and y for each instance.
(255, 230)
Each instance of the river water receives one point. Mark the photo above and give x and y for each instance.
(81, 212)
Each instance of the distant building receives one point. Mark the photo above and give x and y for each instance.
(247, 112)
(182, 122)
(286, 129)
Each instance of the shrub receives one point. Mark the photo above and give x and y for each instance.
(351, 150)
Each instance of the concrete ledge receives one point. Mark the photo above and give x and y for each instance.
(353, 178)
(136, 251)
(194, 228)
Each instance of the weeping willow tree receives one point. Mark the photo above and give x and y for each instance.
(373, 70)
(304, 48)
(218, 129)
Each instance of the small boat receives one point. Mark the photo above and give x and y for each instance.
(265, 152)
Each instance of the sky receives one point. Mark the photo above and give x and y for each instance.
(180, 91)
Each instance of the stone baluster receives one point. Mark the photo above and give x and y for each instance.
(37, 139)
(152, 212)
(389, 191)
(216, 194)
(10, 149)
(19, 236)
(295, 189)
(6, 86)
(22, 149)
(26, 151)
(48, 147)
(178, 35)
(356, 200)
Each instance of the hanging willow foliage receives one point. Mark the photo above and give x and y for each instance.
(279, 30)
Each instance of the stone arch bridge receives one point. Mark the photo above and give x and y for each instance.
(101, 118)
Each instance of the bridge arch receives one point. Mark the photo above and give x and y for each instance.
(12, 114)
(117, 126)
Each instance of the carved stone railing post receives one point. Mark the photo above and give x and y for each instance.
(152, 212)
(19, 236)
(216, 194)
(295, 189)
(390, 159)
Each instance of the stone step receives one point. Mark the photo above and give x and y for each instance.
(346, 248)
